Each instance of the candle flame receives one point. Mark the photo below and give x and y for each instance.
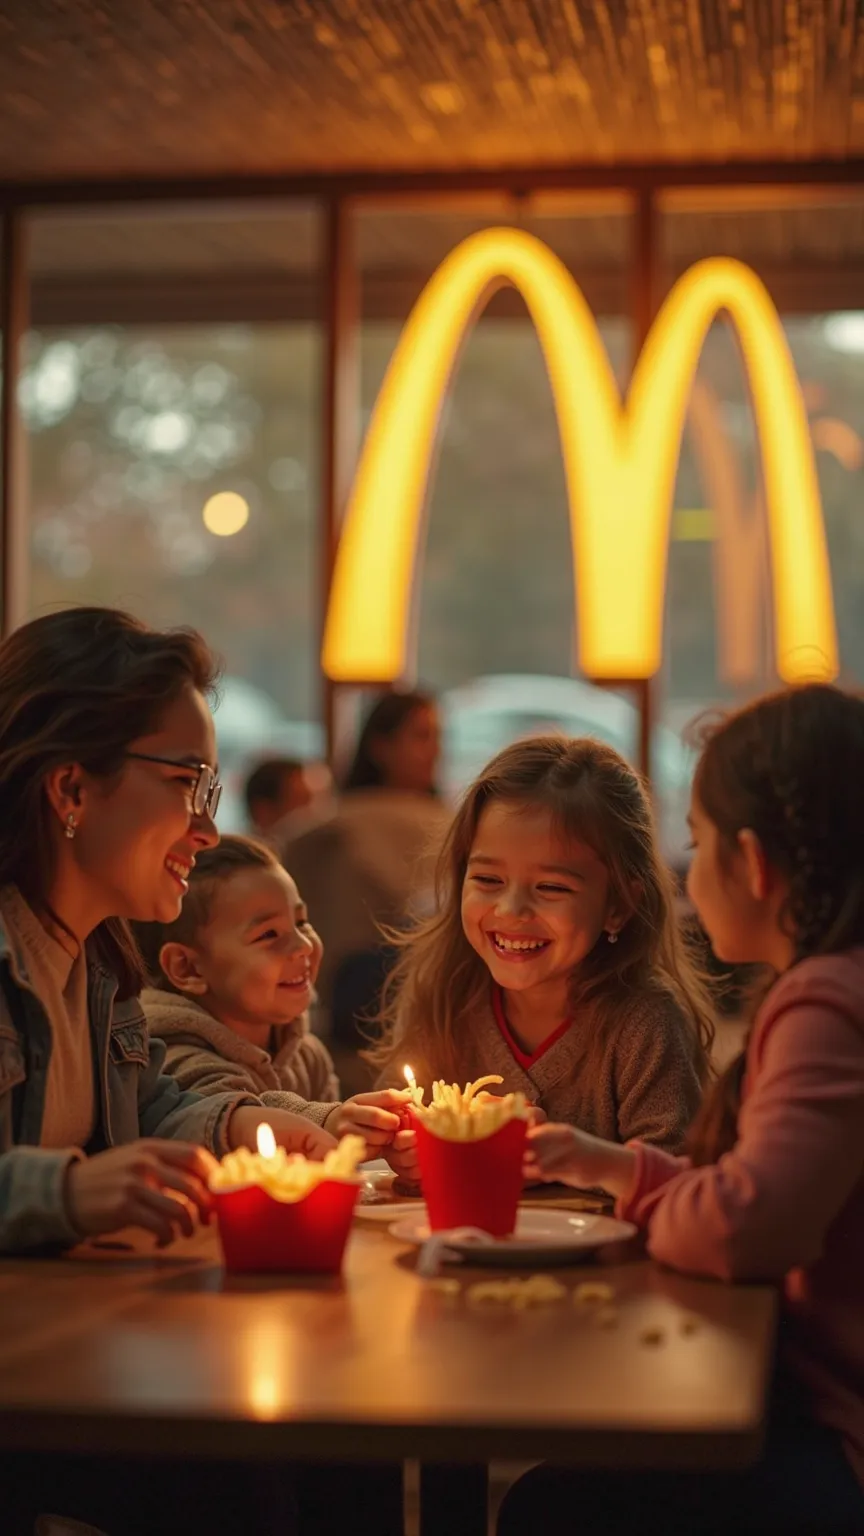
(266, 1140)
(409, 1077)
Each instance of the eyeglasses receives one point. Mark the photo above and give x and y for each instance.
(206, 792)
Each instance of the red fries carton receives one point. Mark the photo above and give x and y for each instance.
(308, 1236)
(472, 1182)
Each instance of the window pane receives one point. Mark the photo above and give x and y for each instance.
(495, 588)
(808, 251)
(135, 427)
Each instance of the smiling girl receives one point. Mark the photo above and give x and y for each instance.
(553, 957)
(773, 1187)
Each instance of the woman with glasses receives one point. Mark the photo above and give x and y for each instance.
(108, 790)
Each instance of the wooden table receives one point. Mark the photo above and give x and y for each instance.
(164, 1353)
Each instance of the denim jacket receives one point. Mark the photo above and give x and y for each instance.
(134, 1098)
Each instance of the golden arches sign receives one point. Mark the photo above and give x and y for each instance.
(620, 462)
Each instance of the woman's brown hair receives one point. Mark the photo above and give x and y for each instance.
(595, 797)
(789, 768)
(79, 686)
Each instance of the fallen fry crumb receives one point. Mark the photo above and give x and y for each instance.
(482, 1294)
(591, 1293)
(606, 1317)
(446, 1287)
(651, 1336)
(518, 1294)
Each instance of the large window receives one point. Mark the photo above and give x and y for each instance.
(498, 484)
(172, 396)
(496, 601)
(174, 468)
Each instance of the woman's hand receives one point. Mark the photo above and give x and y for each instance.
(374, 1116)
(401, 1154)
(561, 1154)
(161, 1186)
(293, 1132)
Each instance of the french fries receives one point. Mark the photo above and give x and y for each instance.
(288, 1176)
(468, 1114)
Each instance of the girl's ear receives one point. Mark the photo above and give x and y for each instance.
(180, 965)
(757, 874)
(622, 906)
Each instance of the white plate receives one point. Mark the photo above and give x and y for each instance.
(547, 1236)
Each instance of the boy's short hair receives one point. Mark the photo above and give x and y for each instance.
(213, 865)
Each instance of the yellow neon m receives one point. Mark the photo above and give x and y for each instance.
(620, 463)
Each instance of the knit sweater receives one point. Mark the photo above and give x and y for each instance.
(646, 1078)
(787, 1203)
(208, 1057)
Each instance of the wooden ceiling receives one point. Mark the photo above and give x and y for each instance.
(173, 88)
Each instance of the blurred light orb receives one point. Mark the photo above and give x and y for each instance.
(225, 514)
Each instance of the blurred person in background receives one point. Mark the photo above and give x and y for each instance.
(399, 746)
(281, 789)
(368, 865)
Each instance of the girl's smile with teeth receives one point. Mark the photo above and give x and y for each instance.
(534, 904)
(512, 946)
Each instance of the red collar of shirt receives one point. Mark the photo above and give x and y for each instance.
(525, 1061)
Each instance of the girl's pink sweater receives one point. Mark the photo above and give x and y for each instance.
(787, 1203)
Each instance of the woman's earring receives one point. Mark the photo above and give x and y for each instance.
(71, 825)
(612, 936)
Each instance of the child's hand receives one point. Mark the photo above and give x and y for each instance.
(161, 1186)
(293, 1132)
(374, 1116)
(402, 1157)
(553, 1153)
(561, 1154)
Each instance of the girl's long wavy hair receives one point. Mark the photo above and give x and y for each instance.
(79, 686)
(790, 768)
(596, 798)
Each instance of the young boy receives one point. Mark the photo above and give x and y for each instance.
(236, 973)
